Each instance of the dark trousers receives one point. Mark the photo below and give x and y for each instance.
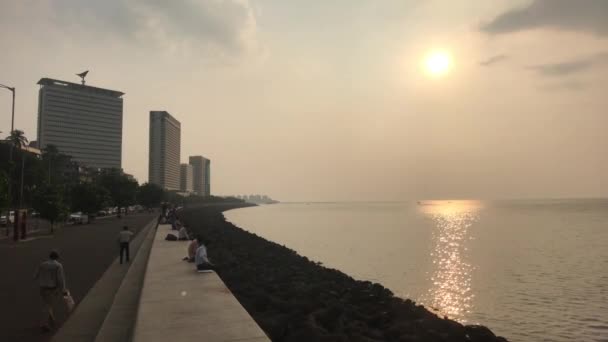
(124, 248)
(205, 267)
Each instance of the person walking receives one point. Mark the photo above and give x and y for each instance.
(124, 238)
(51, 280)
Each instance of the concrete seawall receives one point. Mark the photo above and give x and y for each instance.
(179, 304)
(159, 297)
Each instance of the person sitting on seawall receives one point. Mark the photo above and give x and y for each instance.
(177, 224)
(182, 235)
(192, 247)
(201, 259)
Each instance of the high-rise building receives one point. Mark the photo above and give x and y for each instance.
(207, 177)
(165, 133)
(201, 168)
(185, 178)
(81, 121)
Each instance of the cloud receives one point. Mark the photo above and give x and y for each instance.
(226, 25)
(494, 60)
(589, 16)
(571, 67)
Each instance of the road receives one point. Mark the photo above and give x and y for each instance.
(86, 251)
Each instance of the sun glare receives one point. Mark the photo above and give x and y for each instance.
(438, 63)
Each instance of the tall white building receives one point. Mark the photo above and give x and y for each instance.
(201, 168)
(81, 121)
(185, 178)
(164, 165)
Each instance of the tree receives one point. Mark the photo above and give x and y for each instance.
(3, 190)
(122, 188)
(49, 203)
(173, 197)
(150, 195)
(88, 198)
(17, 139)
(56, 165)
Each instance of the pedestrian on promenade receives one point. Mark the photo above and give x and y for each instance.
(51, 280)
(124, 238)
(201, 258)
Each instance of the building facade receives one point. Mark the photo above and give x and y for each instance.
(201, 169)
(185, 178)
(81, 121)
(164, 161)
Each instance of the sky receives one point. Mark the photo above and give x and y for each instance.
(331, 100)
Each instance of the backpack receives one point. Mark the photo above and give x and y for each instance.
(171, 237)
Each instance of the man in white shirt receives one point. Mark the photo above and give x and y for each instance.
(124, 238)
(182, 235)
(200, 258)
(51, 281)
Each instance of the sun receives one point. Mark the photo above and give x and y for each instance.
(438, 63)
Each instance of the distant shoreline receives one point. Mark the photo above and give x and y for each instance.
(295, 299)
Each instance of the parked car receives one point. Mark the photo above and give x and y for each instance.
(102, 213)
(3, 220)
(79, 218)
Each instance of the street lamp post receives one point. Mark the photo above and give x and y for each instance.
(10, 199)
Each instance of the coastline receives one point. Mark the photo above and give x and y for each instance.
(295, 299)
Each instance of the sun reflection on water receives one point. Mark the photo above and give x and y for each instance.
(450, 292)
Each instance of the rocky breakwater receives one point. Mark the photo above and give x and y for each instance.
(295, 299)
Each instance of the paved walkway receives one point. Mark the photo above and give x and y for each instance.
(86, 252)
(178, 304)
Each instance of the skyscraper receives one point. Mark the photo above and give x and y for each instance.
(207, 177)
(201, 170)
(81, 121)
(185, 178)
(165, 133)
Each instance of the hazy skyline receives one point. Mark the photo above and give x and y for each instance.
(330, 100)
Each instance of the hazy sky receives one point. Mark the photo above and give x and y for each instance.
(329, 100)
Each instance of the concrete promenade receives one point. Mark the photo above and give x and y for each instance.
(179, 304)
(86, 253)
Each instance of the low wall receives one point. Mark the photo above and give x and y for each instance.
(179, 304)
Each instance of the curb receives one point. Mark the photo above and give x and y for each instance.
(88, 316)
(119, 323)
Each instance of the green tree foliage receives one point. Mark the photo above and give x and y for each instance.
(88, 198)
(17, 139)
(55, 165)
(48, 201)
(3, 190)
(150, 195)
(173, 198)
(121, 187)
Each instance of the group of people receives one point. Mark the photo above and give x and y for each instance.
(197, 253)
(51, 277)
(197, 248)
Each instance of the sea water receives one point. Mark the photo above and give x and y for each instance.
(531, 270)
